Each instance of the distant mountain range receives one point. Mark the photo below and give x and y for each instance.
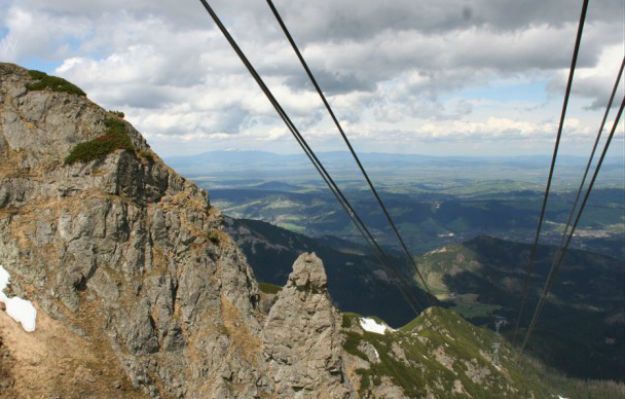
(259, 164)
(265, 156)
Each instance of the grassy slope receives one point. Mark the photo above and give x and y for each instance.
(450, 358)
(579, 331)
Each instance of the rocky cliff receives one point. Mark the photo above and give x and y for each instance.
(118, 251)
(301, 336)
(140, 293)
(127, 264)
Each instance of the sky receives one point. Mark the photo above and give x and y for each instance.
(446, 77)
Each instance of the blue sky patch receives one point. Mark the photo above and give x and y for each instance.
(40, 64)
(533, 92)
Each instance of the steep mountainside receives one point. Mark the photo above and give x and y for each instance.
(140, 292)
(122, 257)
(581, 330)
(116, 252)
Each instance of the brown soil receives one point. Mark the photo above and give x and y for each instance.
(53, 361)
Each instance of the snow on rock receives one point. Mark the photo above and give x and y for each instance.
(371, 325)
(17, 308)
(377, 355)
(4, 279)
(437, 251)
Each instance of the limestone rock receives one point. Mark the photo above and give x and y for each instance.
(140, 293)
(117, 250)
(301, 338)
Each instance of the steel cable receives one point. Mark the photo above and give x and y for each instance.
(530, 265)
(555, 267)
(349, 145)
(382, 256)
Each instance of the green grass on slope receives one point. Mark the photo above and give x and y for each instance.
(482, 280)
(115, 138)
(447, 357)
(43, 81)
(269, 288)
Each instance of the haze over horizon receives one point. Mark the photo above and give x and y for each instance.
(613, 156)
(395, 91)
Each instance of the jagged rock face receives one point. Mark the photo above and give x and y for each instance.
(140, 293)
(301, 336)
(118, 250)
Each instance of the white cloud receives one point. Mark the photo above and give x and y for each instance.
(596, 82)
(394, 71)
(33, 33)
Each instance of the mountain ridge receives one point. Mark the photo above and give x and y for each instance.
(567, 158)
(141, 293)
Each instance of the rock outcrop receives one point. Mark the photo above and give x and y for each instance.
(301, 336)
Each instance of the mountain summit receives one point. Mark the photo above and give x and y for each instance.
(140, 293)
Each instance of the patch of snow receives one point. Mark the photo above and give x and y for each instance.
(20, 310)
(4, 279)
(561, 397)
(437, 251)
(371, 325)
(377, 355)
